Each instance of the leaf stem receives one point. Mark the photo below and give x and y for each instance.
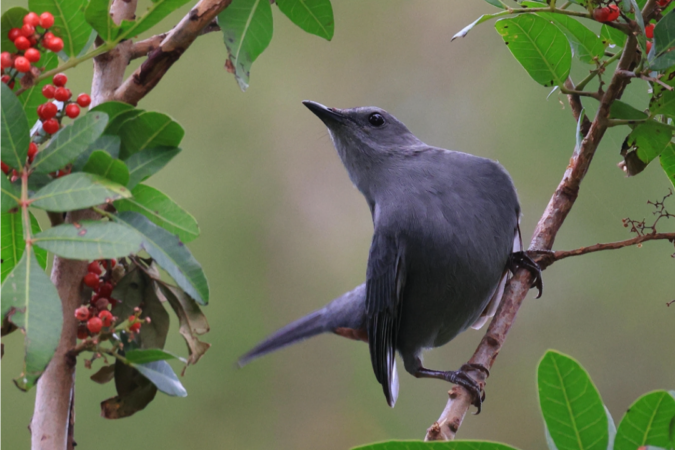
(597, 71)
(24, 209)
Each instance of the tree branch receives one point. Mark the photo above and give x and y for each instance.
(544, 236)
(160, 59)
(142, 48)
(562, 254)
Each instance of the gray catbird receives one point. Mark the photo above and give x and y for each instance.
(446, 234)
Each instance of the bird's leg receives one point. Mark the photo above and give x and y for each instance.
(522, 259)
(459, 377)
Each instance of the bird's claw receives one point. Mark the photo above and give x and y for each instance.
(461, 378)
(522, 260)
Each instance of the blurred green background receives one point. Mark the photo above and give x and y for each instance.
(284, 231)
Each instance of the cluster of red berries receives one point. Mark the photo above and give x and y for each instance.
(26, 39)
(663, 3)
(606, 13)
(49, 112)
(97, 315)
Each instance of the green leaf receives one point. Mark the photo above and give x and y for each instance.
(147, 162)
(170, 254)
(664, 33)
(89, 240)
(32, 98)
(143, 356)
(15, 130)
(161, 210)
(162, 376)
(247, 30)
(134, 393)
(464, 31)
(451, 445)
(496, 3)
(69, 142)
(156, 12)
(98, 16)
(69, 22)
(647, 422)
(662, 102)
(668, 162)
(665, 61)
(13, 244)
(112, 109)
(622, 110)
(585, 44)
(30, 301)
(648, 139)
(612, 36)
(108, 143)
(11, 196)
(77, 191)
(123, 117)
(101, 163)
(313, 16)
(12, 18)
(571, 405)
(539, 46)
(149, 129)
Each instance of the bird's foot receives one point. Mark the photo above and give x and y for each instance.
(523, 260)
(461, 378)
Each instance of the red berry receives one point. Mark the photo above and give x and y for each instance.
(649, 46)
(82, 332)
(48, 90)
(135, 324)
(5, 79)
(72, 110)
(27, 30)
(95, 267)
(48, 36)
(50, 126)
(15, 176)
(5, 168)
(21, 64)
(105, 290)
(60, 79)
(106, 317)
(94, 325)
(82, 313)
(83, 100)
(102, 303)
(32, 151)
(649, 31)
(663, 3)
(61, 94)
(33, 40)
(613, 13)
(22, 43)
(49, 110)
(6, 60)
(31, 19)
(14, 33)
(54, 44)
(46, 20)
(91, 280)
(32, 55)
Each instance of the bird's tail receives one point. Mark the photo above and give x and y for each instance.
(346, 311)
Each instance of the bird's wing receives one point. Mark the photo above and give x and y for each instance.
(384, 286)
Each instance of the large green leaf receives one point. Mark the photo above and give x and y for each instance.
(622, 110)
(161, 210)
(664, 33)
(98, 16)
(539, 46)
(612, 36)
(11, 196)
(120, 119)
(112, 109)
(89, 240)
(667, 159)
(648, 139)
(101, 163)
(143, 356)
(587, 46)
(147, 162)
(161, 374)
(69, 22)
(662, 102)
(30, 301)
(13, 244)
(420, 445)
(69, 142)
(571, 405)
(247, 29)
(158, 10)
(77, 191)
(108, 143)
(15, 130)
(665, 61)
(149, 129)
(32, 97)
(647, 422)
(12, 18)
(313, 16)
(170, 254)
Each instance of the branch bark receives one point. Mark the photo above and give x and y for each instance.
(561, 254)
(549, 224)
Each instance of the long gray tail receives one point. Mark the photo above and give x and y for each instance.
(347, 311)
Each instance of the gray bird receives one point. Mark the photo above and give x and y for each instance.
(445, 237)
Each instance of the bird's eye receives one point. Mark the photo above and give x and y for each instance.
(376, 119)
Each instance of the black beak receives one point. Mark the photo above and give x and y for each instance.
(324, 113)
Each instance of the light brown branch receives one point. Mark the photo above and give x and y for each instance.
(142, 48)
(562, 254)
(544, 236)
(160, 59)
